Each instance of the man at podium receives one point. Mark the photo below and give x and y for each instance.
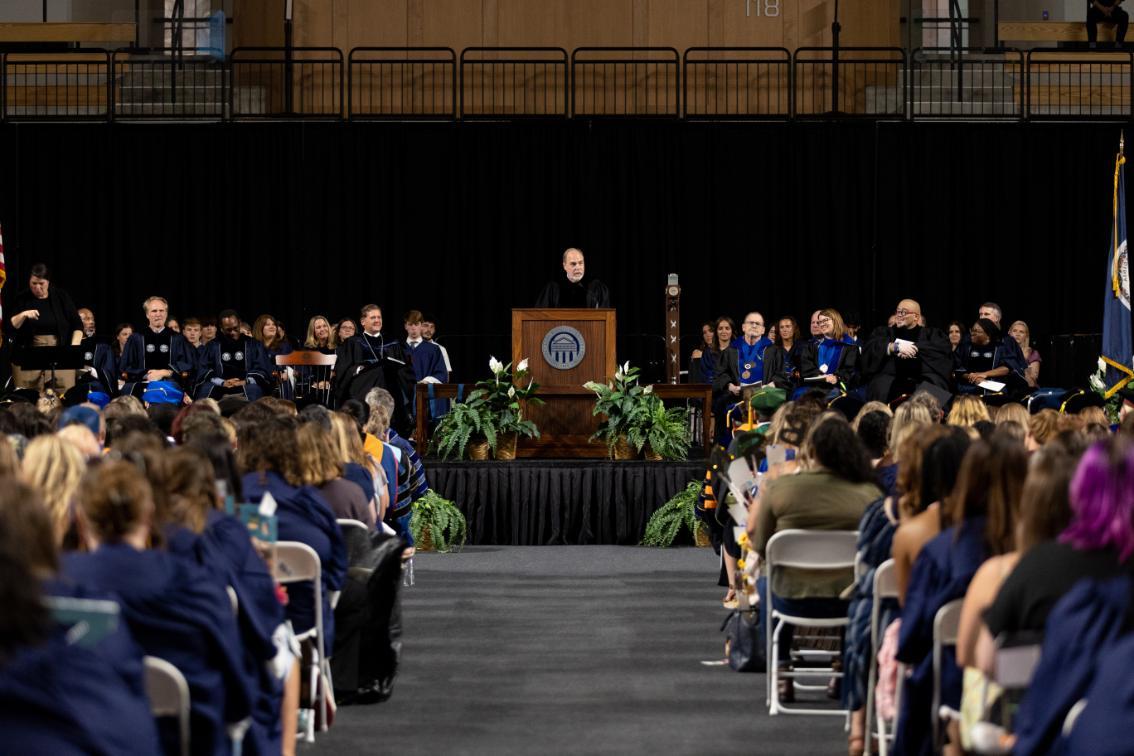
(573, 291)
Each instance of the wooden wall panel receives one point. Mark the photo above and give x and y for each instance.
(374, 23)
(450, 23)
(531, 23)
(678, 23)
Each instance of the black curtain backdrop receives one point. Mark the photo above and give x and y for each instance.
(467, 221)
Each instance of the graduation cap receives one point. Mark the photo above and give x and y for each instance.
(232, 404)
(847, 405)
(162, 392)
(767, 399)
(997, 399)
(27, 396)
(85, 392)
(1079, 400)
(1045, 398)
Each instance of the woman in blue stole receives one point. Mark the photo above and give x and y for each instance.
(830, 363)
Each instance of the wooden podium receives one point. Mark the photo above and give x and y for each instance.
(581, 347)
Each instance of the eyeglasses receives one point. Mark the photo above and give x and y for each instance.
(903, 313)
(823, 321)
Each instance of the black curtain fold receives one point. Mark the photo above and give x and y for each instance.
(468, 220)
(542, 503)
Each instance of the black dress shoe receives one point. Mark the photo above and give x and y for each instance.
(786, 689)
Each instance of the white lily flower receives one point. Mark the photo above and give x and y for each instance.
(626, 367)
(648, 390)
(523, 365)
(495, 365)
(618, 374)
(1102, 364)
(511, 392)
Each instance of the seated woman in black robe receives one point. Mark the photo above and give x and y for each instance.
(830, 363)
(782, 358)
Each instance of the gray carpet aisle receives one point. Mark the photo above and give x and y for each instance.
(570, 649)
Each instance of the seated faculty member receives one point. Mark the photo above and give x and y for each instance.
(233, 363)
(155, 353)
(367, 360)
(574, 291)
(900, 356)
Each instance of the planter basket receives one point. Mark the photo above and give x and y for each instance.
(506, 446)
(478, 450)
(701, 536)
(425, 543)
(651, 455)
(623, 450)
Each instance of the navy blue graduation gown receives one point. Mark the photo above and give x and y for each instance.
(178, 613)
(304, 516)
(359, 475)
(182, 360)
(257, 370)
(942, 572)
(64, 698)
(225, 550)
(1102, 729)
(428, 362)
(1076, 643)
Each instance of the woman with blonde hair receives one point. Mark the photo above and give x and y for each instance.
(55, 467)
(1023, 336)
(358, 466)
(321, 467)
(967, 411)
(831, 360)
(319, 335)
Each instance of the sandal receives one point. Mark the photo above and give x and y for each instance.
(856, 745)
(730, 600)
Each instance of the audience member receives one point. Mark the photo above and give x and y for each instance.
(320, 467)
(966, 412)
(899, 357)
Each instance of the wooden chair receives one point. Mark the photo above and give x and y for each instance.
(312, 380)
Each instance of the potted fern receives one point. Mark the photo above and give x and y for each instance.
(664, 524)
(624, 404)
(661, 433)
(468, 425)
(436, 524)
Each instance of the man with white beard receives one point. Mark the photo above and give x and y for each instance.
(573, 290)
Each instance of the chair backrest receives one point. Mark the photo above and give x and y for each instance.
(306, 358)
(346, 524)
(812, 549)
(1015, 665)
(296, 562)
(946, 622)
(886, 581)
(169, 695)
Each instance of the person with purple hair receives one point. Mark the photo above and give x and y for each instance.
(1098, 543)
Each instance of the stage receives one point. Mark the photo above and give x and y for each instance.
(561, 502)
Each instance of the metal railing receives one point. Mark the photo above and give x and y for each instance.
(860, 82)
(69, 86)
(985, 84)
(165, 84)
(1078, 86)
(705, 83)
(270, 82)
(746, 83)
(625, 81)
(402, 83)
(513, 82)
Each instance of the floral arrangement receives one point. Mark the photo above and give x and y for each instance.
(623, 402)
(1097, 382)
(502, 395)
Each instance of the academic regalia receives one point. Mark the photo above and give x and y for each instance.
(99, 357)
(89, 695)
(304, 516)
(176, 612)
(1103, 727)
(225, 550)
(781, 367)
(887, 376)
(969, 358)
(149, 350)
(1076, 644)
(584, 294)
(365, 362)
(361, 477)
(396, 465)
(839, 358)
(243, 358)
(412, 485)
(278, 373)
(942, 572)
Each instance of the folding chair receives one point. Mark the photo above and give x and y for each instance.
(298, 563)
(945, 624)
(318, 371)
(885, 587)
(169, 695)
(808, 550)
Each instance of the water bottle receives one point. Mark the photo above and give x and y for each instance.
(1045, 15)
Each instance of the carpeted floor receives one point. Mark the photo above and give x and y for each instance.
(570, 649)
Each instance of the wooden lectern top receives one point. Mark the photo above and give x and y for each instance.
(581, 344)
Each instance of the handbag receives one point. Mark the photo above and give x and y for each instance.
(744, 643)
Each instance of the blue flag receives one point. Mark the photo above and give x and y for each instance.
(1117, 345)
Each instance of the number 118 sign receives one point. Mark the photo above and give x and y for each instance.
(769, 8)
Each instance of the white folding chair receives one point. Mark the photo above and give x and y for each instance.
(169, 695)
(807, 550)
(945, 624)
(298, 563)
(885, 587)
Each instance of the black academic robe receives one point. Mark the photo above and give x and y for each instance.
(563, 293)
(776, 369)
(181, 359)
(846, 368)
(933, 364)
(248, 356)
(364, 364)
(58, 309)
(99, 356)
